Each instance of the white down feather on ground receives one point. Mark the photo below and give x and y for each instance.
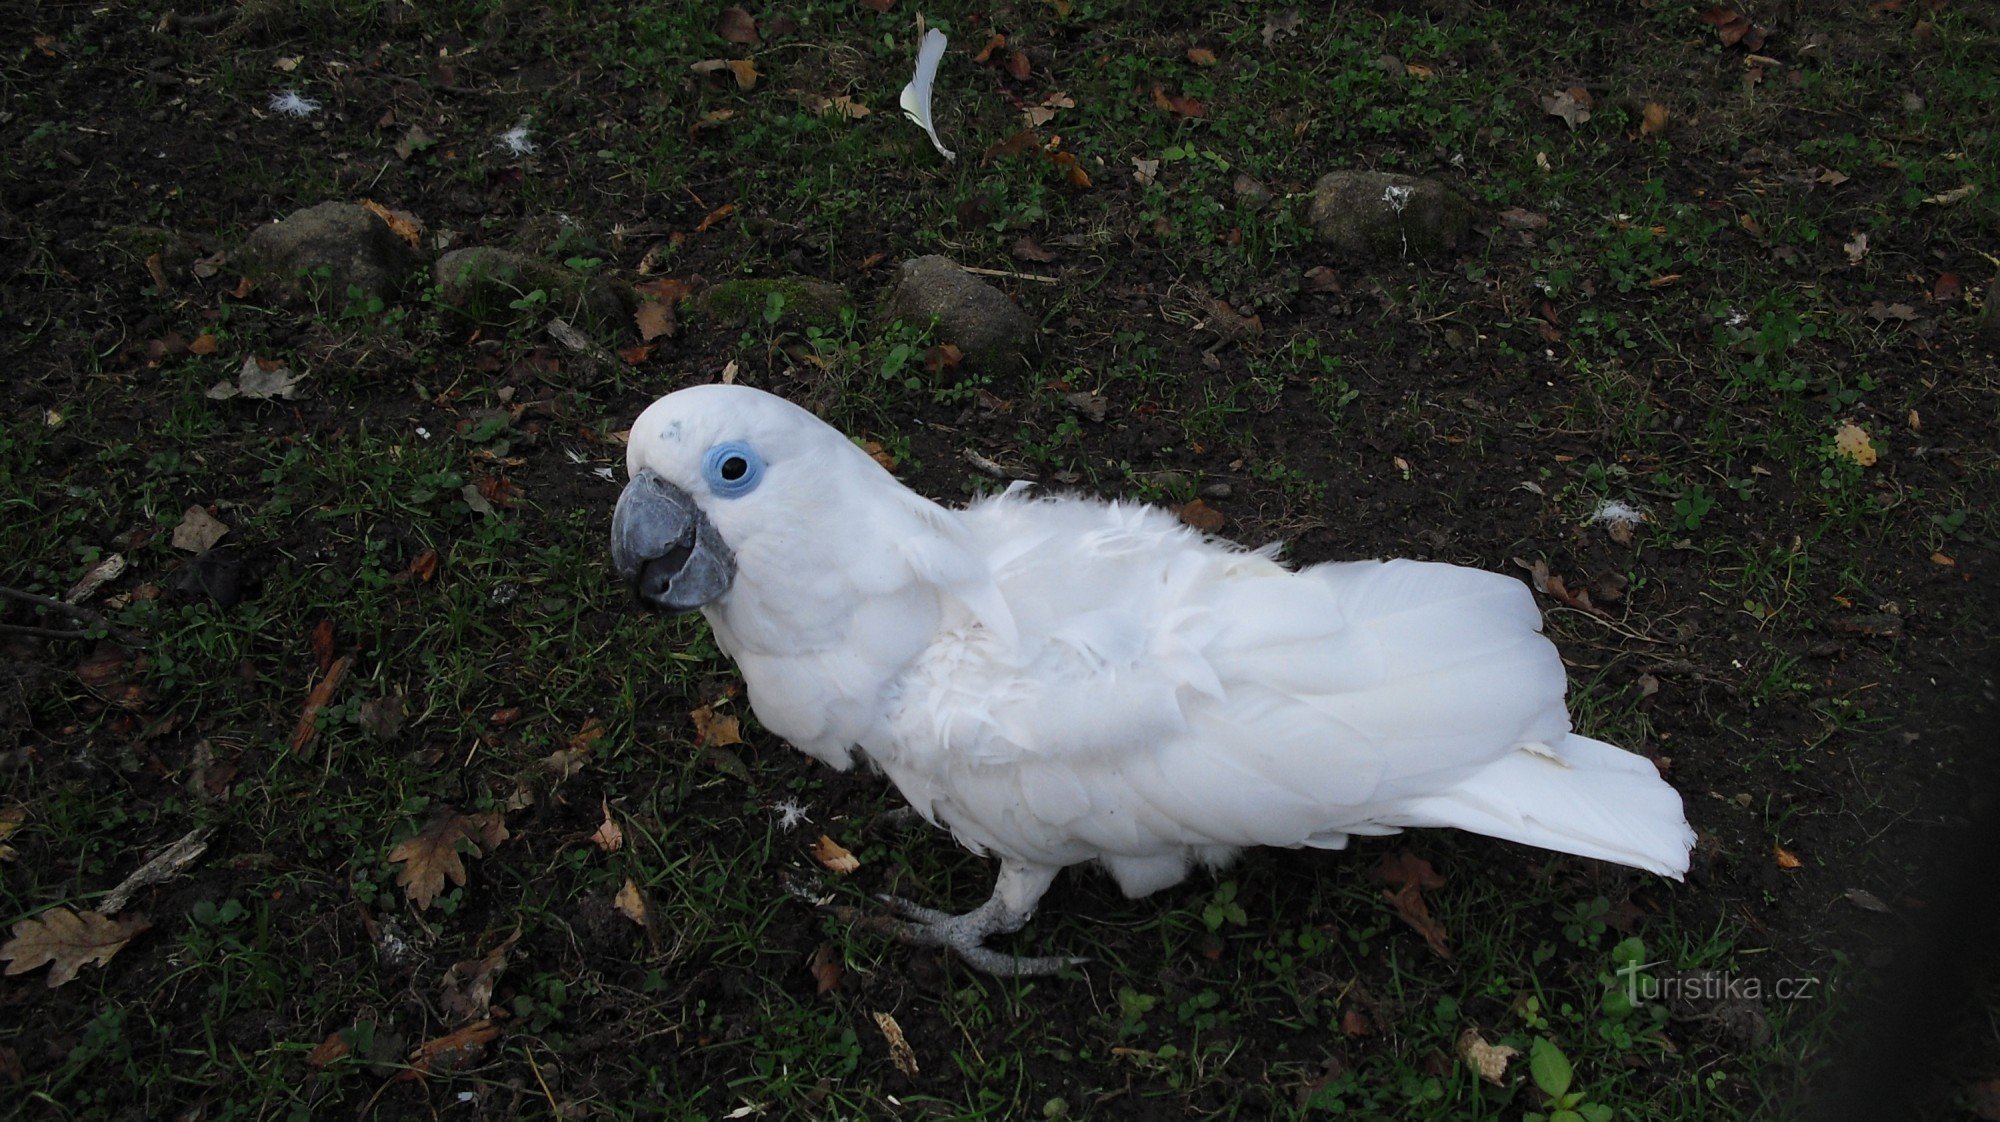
(1061, 680)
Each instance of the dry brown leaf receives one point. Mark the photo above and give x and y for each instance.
(1201, 56)
(825, 968)
(203, 344)
(654, 319)
(1572, 105)
(714, 216)
(631, 903)
(158, 273)
(198, 530)
(1410, 907)
(449, 1052)
(308, 726)
(332, 1048)
(1655, 119)
(424, 565)
(610, 837)
(401, 223)
(1786, 858)
(1182, 107)
(1489, 1060)
(321, 642)
(879, 454)
(985, 54)
(1018, 66)
(430, 856)
(1201, 516)
(742, 69)
(67, 941)
(467, 989)
(1028, 249)
(715, 730)
(900, 1052)
(1856, 248)
(736, 26)
(1852, 442)
(835, 856)
(1405, 868)
(844, 106)
(1354, 1022)
(10, 821)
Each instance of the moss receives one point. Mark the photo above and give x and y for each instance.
(806, 302)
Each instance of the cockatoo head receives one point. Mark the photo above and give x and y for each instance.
(719, 473)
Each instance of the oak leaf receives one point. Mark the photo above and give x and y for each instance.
(430, 857)
(67, 941)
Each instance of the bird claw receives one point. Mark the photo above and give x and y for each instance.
(964, 935)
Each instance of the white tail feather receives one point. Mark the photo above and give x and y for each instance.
(1582, 796)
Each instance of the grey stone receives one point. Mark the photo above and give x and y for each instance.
(486, 283)
(991, 333)
(314, 256)
(1376, 214)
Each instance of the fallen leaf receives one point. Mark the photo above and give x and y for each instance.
(1866, 900)
(382, 717)
(1852, 442)
(1404, 868)
(1832, 178)
(449, 1052)
(1947, 288)
(1026, 248)
(1409, 904)
(1489, 1060)
(941, 357)
(1420, 73)
(742, 69)
(1323, 278)
(1018, 66)
(736, 26)
(332, 1048)
(322, 693)
(879, 454)
(834, 856)
(203, 344)
(1653, 122)
(714, 216)
(198, 530)
(900, 1052)
(1786, 858)
(401, 223)
(430, 857)
(825, 969)
(158, 273)
(67, 941)
(631, 903)
(985, 54)
(259, 382)
(1856, 248)
(1942, 558)
(1201, 516)
(1183, 107)
(321, 643)
(467, 988)
(1281, 25)
(1881, 311)
(413, 142)
(609, 837)
(844, 106)
(654, 320)
(1144, 171)
(1201, 56)
(424, 565)
(1954, 196)
(715, 730)
(1572, 105)
(1355, 1022)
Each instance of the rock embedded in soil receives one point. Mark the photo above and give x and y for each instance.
(990, 331)
(1372, 214)
(317, 255)
(485, 283)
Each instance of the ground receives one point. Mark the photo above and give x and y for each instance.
(1727, 269)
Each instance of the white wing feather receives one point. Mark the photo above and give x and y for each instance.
(916, 99)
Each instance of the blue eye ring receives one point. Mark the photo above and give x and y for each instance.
(732, 469)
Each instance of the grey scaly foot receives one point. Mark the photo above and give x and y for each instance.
(965, 936)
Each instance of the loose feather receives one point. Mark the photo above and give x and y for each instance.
(916, 99)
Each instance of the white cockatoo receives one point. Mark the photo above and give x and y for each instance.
(1061, 680)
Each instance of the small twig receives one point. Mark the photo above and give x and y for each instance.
(1012, 274)
(85, 616)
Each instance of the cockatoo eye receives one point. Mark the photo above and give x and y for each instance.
(733, 469)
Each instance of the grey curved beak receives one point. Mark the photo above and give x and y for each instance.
(666, 548)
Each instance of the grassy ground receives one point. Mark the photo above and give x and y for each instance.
(1681, 317)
